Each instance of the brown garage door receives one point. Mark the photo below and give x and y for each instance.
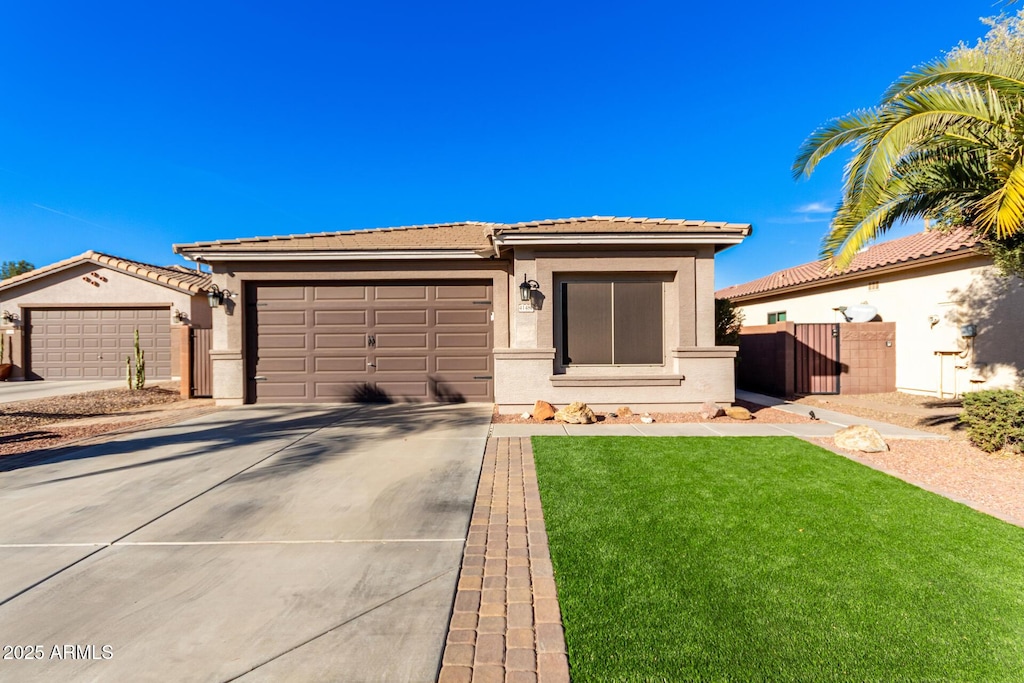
(91, 343)
(349, 342)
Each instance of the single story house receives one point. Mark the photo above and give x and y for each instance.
(957, 320)
(76, 319)
(606, 310)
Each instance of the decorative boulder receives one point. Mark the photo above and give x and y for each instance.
(738, 413)
(577, 413)
(860, 438)
(624, 411)
(542, 410)
(709, 410)
(647, 419)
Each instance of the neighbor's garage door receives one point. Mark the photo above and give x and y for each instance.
(351, 342)
(92, 343)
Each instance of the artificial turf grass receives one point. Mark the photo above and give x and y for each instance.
(748, 559)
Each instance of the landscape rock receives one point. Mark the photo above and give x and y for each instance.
(577, 412)
(738, 413)
(647, 419)
(709, 410)
(542, 410)
(861, 438)
(624, 411)
(526, 416)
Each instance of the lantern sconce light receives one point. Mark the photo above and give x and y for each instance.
(216, 296)
(526, 288)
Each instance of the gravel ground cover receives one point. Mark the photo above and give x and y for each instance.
(759, 413)
(927, 413)
(60, 420)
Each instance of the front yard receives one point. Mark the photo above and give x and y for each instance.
(742, 559)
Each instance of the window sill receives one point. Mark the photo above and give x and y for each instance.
(617, 381)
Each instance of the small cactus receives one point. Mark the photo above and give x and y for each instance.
(137, 379)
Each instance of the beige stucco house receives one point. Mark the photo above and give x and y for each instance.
(76, 319)
(933, 285)
(605, 310)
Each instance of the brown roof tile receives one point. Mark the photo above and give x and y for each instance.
(175, 276)
(922, 245)
(472, 235)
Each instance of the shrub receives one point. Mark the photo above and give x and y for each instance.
(994, 419)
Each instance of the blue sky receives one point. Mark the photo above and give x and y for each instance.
(126, 127)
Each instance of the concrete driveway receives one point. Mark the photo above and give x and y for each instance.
(254, 544)
(28, 391)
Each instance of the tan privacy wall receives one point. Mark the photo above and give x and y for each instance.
(928, 305)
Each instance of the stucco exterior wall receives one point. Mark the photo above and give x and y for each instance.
(693, 369)
(66, 288)
(929, 304)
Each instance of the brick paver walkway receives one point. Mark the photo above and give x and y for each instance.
(506, 626)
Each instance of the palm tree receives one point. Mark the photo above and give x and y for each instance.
(946, 143)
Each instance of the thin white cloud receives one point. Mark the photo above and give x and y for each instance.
(815, 207)
(68, 215)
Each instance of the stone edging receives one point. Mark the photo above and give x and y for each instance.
(506, 625)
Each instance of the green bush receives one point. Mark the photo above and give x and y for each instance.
(994, 419)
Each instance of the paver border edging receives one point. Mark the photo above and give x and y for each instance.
(506, 625)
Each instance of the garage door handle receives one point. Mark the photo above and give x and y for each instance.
(370, 365)
(259, 378)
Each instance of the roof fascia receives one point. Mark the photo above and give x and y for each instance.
(367, 255)
(919, 262)
(574, 239)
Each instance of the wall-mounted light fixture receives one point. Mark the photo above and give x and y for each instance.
(215, 295)
(7, 317)
(178, 316)
(526, 288)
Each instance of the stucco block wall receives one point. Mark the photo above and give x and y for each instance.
(67, 288)
(693, 369)
(928, 305)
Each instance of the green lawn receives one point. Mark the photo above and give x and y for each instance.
(770, 559)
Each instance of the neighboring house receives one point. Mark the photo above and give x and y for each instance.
(930, 285)
(613, 311)
(76, 319)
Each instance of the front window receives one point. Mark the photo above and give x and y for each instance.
(612, 323)
(777, 317)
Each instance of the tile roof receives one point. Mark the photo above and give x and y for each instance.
(175, 277)
(922, 245)
(473, 235)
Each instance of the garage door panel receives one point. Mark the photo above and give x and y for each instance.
(290, 364)
(340, 341)
(462, 292)
(477, 364)
(462, 340)
(391, 325)
(416, 316)
(402, 364)
(346, 364)
(283, 341)
(340, 293)
(62, 346)
(283, 294)
(401, 293)
(395, 340)
(340, 318)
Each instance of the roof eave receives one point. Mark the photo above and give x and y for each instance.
(619, 239)
(910, 264)
(219, 255)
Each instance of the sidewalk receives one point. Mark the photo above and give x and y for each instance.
(828, 423)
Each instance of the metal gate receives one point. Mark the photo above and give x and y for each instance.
(202, 365)
(817, 358)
